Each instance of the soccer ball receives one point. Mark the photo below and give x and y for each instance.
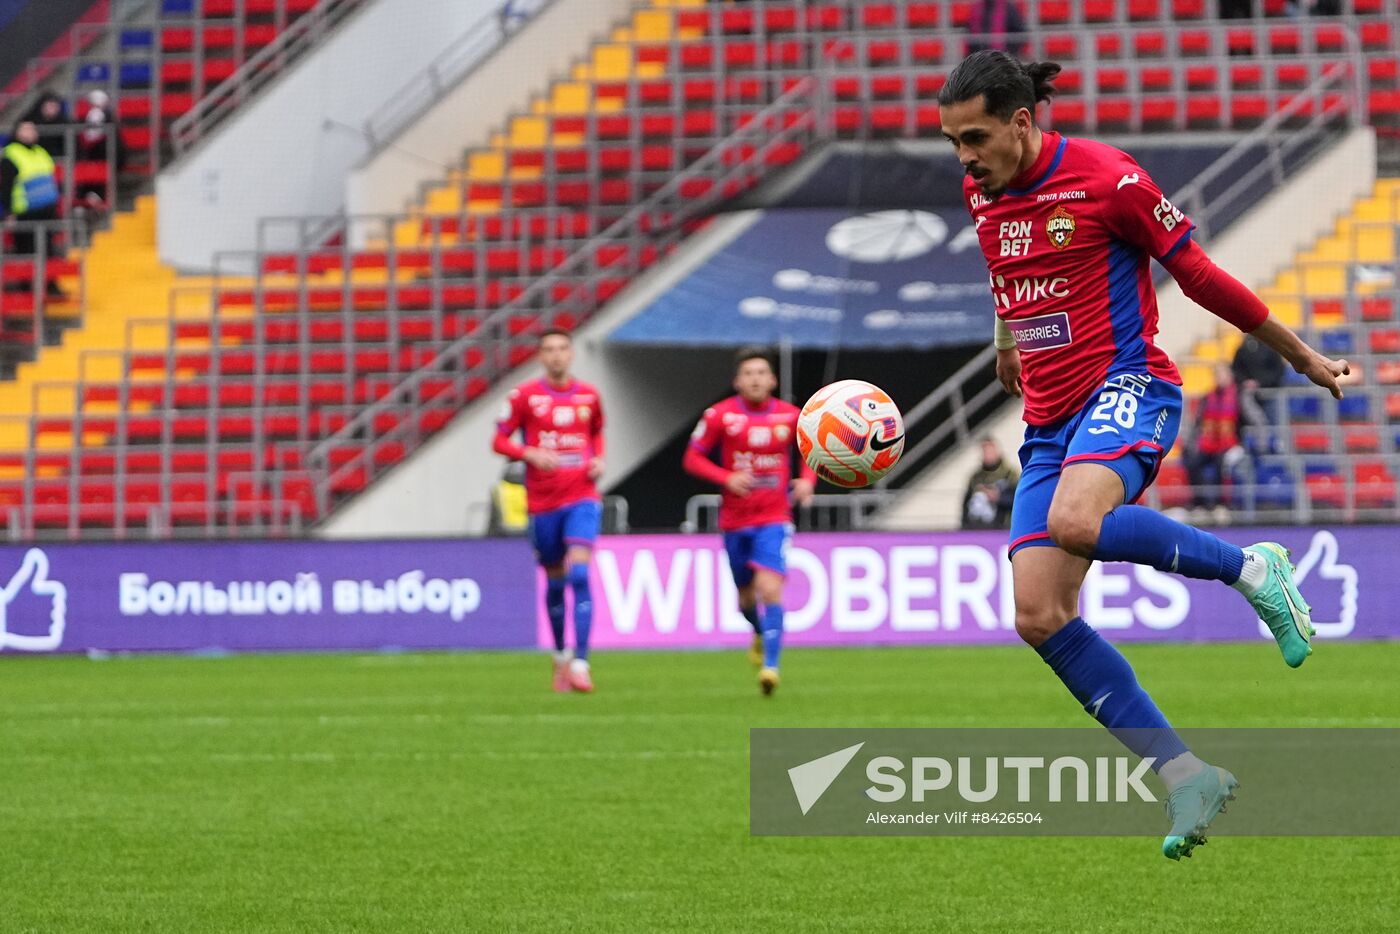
(850, 433)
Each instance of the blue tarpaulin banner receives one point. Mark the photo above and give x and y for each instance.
(824, 277)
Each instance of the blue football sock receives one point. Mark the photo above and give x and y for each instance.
(554, 607)
(583, 609)
(1145, 536)
(751, 614)
(1104, 684)
(772, 635)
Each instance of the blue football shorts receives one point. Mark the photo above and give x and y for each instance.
(761, 546)
(554, 531)
(1128, 425)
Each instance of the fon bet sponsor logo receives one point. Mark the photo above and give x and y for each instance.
(31, 597)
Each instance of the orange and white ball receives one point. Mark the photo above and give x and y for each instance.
(850, 433)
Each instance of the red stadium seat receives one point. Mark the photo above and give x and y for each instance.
(1158, 110)
(1377, 308)
(1375, 485)
(1311, 440)
(1365, 440)
(1100, 11)
(1202, 110)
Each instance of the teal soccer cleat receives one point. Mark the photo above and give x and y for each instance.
(1191, 807)
(1281, 606)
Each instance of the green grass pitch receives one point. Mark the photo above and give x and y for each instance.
(454, 792)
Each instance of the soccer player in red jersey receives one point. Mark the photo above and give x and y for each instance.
(561, 419)
(754, 434)
(1069, 228)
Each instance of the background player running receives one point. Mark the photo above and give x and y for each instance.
(754, 434)
(561, 419)
(1068, 228)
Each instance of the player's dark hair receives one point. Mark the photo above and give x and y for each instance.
(554, 332)
(1006, 83)
(754, 352)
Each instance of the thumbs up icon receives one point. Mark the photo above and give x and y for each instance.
(1321, 564)
(33, 574)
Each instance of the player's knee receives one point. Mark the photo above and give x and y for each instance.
(771, 594)
(1035, 624)
(768, 588)
(1074, 531)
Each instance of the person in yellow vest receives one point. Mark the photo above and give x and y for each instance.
(28, 188)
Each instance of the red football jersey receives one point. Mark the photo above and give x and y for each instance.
(1069, 252)
(568, 422)
(760, 441)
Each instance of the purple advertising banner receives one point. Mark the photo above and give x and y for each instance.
(280, 596)
(676, 591)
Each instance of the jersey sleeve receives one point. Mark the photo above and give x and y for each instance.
(510, 420)
(596, 425)
(1137, 212)
(707, 432)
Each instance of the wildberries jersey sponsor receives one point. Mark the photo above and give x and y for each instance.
(568, 422)
(760, 441)
(1069, 255)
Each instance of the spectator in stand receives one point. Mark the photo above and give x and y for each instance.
(996, 24)
(509, 515)
(28, 186)
(94, 141)
(1313, 8)
(1214, 446)
(1255, 367)
(50, 117)
(990, 490)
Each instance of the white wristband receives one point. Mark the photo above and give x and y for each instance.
(1002, 336)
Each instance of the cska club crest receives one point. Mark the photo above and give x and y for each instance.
(1060, 227)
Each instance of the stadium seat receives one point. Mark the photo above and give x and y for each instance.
(1375, 485)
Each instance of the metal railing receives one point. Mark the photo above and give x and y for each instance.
(572, 284)
(730, 161)
(259, 70)
(828, 512)
(1323, 113)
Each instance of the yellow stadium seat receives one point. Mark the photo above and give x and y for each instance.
(571, 97)
(652, 26)
(488, 166)
(528, 132)
(612, 62)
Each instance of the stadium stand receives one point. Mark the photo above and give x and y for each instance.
(254, 406)
(1323, 459)
(174, 59)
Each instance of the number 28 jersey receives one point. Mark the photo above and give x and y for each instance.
(1069, 248)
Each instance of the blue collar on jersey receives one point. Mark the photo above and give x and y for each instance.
(1045, 177)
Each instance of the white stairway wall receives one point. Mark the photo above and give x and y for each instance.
(1253, 250)
(289, 152)
(386, 181)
